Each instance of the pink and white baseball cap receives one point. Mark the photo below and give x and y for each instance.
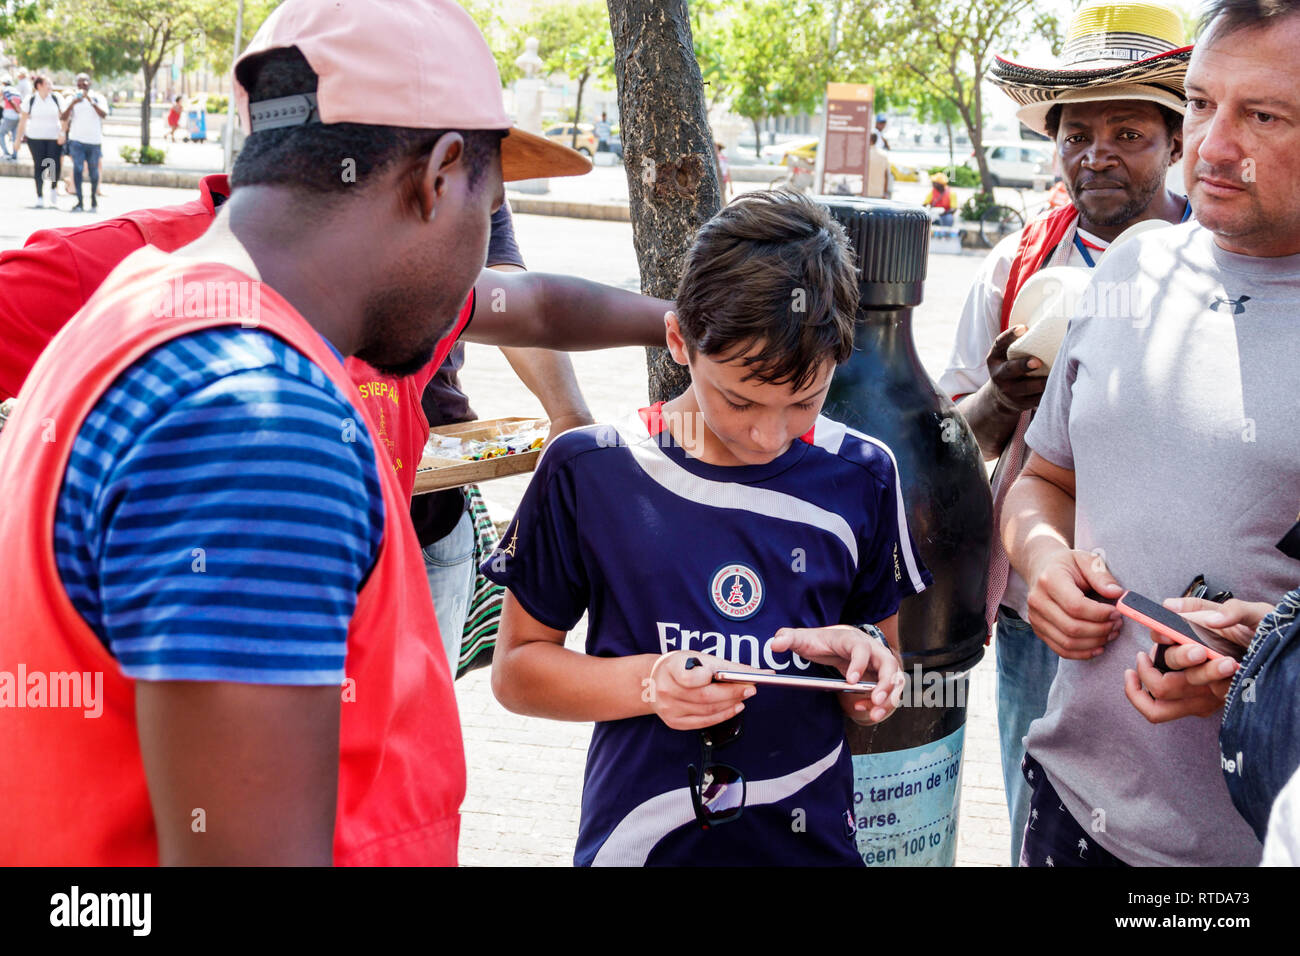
(422, 64)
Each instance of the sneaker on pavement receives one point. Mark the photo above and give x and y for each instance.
(77, 208)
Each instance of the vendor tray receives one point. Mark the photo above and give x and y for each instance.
(438, 474)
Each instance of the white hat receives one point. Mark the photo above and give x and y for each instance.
(1045, 304)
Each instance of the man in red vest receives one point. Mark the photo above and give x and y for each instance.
(203, 539)
(1116, 134)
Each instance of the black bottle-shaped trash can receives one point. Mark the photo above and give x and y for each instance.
(908, 769)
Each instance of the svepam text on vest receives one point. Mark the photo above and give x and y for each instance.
(102, 909)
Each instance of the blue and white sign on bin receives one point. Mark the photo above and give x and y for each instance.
(905, 803)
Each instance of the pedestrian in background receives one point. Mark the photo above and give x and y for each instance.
(41, 127)
(724, 171)
(85, 117)
(602, 133)
(880, 180)
(941, 199)
(12, 102)
(174, 117)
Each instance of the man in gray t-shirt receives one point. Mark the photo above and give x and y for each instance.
(1166, 446)
(1175, 412)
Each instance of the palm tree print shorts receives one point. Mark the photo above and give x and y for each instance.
(1052, 836)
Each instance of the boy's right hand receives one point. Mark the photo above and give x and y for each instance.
(685, 698)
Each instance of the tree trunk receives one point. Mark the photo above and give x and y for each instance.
(975, 124)
(758, 140)
(952, 158)
(577, 107)
(673, 188)
(146, 108)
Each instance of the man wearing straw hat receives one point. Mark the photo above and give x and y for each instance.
(1114, 109)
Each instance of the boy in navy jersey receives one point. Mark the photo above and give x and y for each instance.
(731, 528)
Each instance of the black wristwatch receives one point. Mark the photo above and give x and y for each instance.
(872, 631)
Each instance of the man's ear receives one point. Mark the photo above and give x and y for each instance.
(432, 176)
(676, 341)
(1176, 148)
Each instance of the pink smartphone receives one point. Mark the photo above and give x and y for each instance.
(795, 680)
(1159, 618)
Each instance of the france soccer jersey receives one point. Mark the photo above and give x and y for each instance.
(666, 553)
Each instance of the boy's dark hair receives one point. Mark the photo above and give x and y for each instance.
(311, 156)
(772, 269)
(1224, 17)
(1173, 120)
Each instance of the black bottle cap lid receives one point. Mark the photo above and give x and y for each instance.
(891, 247)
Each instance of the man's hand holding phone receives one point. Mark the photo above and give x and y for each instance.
(1061, 611)
(1197, 683)
(855, 655)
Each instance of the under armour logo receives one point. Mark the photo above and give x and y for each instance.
(1237, 306)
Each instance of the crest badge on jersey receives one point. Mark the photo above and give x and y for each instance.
(737, 591)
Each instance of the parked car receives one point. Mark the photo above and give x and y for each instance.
(780, 153)
(806, 151)
(563, 134)
(1016, 162)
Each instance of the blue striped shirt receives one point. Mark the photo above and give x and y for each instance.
(220, 511)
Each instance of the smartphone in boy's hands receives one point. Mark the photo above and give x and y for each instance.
(797, 681)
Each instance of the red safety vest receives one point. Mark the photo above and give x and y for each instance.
(72, 788)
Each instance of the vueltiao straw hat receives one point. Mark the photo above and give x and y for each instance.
(1114, 50)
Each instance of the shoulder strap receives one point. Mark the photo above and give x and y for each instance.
(1037, 241)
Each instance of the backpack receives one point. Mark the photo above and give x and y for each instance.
(31, 101)
(12, 101)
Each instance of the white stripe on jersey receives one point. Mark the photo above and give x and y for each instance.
(641, 830)
(829, 434)
(728, 494)
(904, 537)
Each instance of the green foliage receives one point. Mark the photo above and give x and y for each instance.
(573, 38)
(972, 209)
(145, 155)
(15, 14)
(933, 53)
(962, 176)
(218, 103)
(501, 37)
(712, 39)
(214, 43)
(113, 36)
(776, 57)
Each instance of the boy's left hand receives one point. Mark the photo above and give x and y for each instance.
(856, 656)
